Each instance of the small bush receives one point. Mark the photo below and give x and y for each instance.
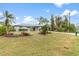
(25, 34)
(44, 29)
(22, 29)
(2, 30)
(72, 28)
(11, 35)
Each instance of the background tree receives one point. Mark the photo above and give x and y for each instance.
(61, 24)
(65, 25)
(58, 22)
(43, 21)
(66, 19)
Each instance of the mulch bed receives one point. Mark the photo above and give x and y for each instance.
(10, 35)
(14, 35)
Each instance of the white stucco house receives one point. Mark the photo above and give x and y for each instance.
(27, 27)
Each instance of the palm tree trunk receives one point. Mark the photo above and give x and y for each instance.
(69, 22)
(6, 30)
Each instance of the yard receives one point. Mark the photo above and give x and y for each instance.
(54, 44)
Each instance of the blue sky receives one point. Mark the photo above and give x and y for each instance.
(28, 12)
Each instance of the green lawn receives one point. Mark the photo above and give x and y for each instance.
(43, 45)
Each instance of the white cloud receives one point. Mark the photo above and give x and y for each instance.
(1, 17)
(65, 12)
(72, 13)
(17, 18)
(47, 11)
(59, 4)
(28, 18)
(1, 14)
(25, 16)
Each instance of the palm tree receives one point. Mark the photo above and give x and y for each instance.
(69, 19)
(52, 23)
(8, 20)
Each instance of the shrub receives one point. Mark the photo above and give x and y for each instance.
(2, 30)
(22, 29)
(72, 28)
(25, 34)
(60, 29)
(44, 29)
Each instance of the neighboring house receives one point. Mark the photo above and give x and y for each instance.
(77, 26)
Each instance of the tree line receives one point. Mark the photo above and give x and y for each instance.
(57, 23)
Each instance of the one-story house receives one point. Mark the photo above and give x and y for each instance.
(27, 27)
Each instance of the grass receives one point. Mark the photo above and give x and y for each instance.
(75, 50)
(55, 44)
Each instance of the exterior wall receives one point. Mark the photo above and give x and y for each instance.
(28, 28)
(16, 29)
